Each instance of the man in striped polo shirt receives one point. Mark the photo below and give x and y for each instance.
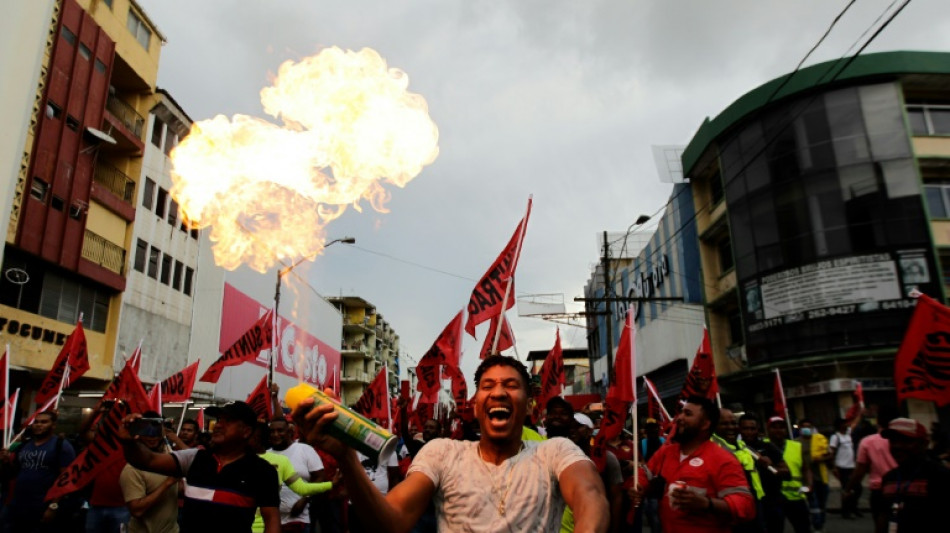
(223, 485)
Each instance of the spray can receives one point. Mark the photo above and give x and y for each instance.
(350, 427)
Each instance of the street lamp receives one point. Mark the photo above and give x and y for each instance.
(608, 285)
(281, 272)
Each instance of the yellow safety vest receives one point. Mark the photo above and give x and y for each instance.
(745, 459)
(792, 455)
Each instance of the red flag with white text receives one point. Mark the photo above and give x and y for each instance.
(623, 387)
(506, 339)
(552, 373)
(922, 365)
(74, 354)
(259, 400)
(372, 403)
(259, 337)
(488, 296)
(701, 380)
(178, 386)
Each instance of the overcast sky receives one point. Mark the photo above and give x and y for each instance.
(561, 100)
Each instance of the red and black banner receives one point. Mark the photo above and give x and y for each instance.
(372, 403)
(552, 373)
(701, 380)
(178, 386)
(506, 338)
(259, 337)
(259, 400)
(922, 365)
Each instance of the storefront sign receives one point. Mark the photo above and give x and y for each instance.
(37, 333)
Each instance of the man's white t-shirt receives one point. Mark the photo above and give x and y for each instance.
(468, 490)
(379, 474)
(304, 460)
(844, 455)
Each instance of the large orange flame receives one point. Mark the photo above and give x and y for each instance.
(268, 191)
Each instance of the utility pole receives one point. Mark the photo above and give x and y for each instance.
(608, 317)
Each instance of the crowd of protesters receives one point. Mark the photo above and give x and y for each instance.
(494, 468)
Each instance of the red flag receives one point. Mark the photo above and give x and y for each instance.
(76, 355)
(201, 419)
(505, 341)
(178, 386)
(701, 380)
(259, 400)
(488, 296)
(45, 407)
(655, 409)
(136, 359)
(778, 396)
(615, 415)
(859, 393)
(552, 373)
(445, 351)
(372, 403)
(155, 398)
(858, 404)
(9, 414)
(459, 387)
(922, 365)
(625, 364)
(127, 386)
(258, 337)
(5, 373)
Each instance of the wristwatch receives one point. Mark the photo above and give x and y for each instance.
(53, 506)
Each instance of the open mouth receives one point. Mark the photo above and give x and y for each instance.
(499, 413)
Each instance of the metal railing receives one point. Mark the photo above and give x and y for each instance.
(102, 252)
(115, 180)
(126, 114)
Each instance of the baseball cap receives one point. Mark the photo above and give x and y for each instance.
(584, 420)
(650, 421)
(558, 401)
(234, 411)
(905, 427)
(775, 419)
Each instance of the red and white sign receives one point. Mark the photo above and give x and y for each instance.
(302, 355)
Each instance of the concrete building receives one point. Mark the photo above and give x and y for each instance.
(369, 342)
(159, 295)
(662, 282)
(576, 368)
(79, 155)
(820, 202)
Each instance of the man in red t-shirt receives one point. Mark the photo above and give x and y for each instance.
(703, 486)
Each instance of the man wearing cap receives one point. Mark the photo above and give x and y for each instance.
(797, 486)
(499, 483)
(559, 418)
(703, 487)
(772, 471)
(915, 490)
(581, 429)
(225, 484)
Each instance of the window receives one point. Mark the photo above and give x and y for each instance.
(735, 328)
(141, 251)
(938, 200)
(138, 29)
(162, 203)
(166, 269)
(189, 274)
(171, 140)
(715, 188)
(38, 189)
(68, 36)
(100, 66)
(148, 195)
(724, 250)
(194, 233)
(158, 128)
(176, 278)
(153, 257)
(72, 123)
(929, 120)
(108, 3)
(64, 299)
(85, 52)
(57, 203)
(173, 212)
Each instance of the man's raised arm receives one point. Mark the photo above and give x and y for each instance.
(584, 493)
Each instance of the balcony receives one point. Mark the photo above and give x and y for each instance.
(97, 250)
(356, 377)
(127, 115)
(356, 350)
(115, 181)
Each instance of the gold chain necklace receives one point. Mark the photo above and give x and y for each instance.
(496, 490)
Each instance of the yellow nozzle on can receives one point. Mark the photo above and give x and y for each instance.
(297, 394)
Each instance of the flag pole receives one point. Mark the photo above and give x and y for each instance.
(781, 388)
(633, 406)
(7, 429)
(511, 279)
(389, 400)
(62, 384)
(181, 419)
(718, 400)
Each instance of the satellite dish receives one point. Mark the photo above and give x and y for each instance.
(100, 135)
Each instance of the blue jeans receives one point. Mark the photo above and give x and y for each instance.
(817, 503)
(106, 519)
